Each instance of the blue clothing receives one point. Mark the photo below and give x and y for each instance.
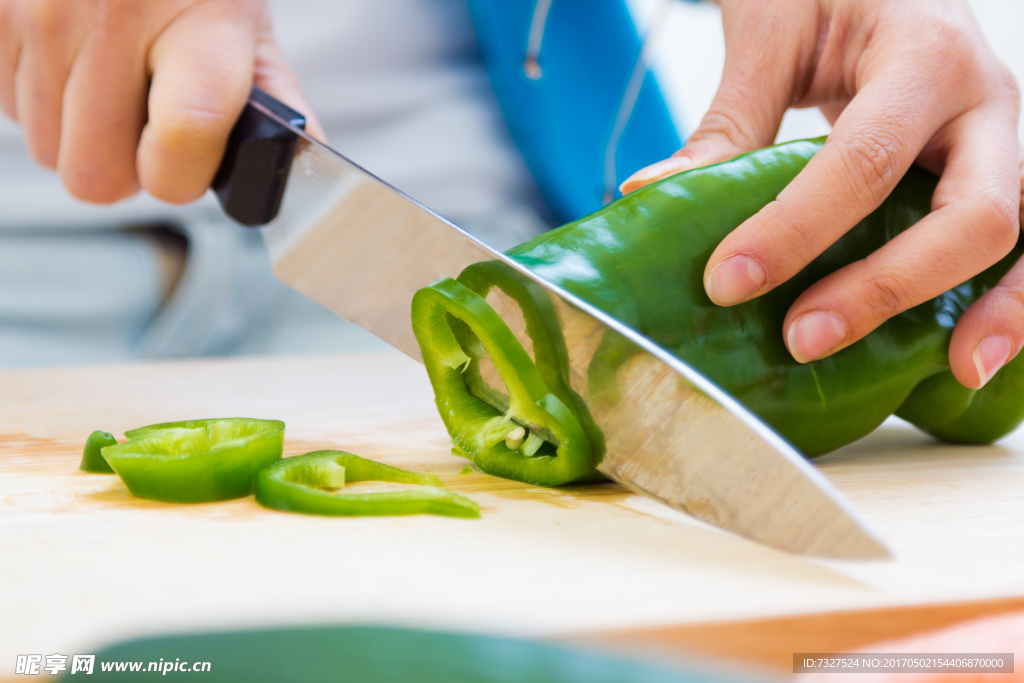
(563, 120)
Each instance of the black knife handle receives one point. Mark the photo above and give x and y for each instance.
(252, 175)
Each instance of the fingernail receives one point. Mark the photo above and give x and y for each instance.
(814, 334)
(734, 280)
(656, 171)
(990, 355)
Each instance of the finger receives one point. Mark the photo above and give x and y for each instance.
(275, 76)
(49, 43)
(202, 72)
(991, 332)
(871, 146)
(10, 51)
(974, 223)
(764, 59)
(104, 111)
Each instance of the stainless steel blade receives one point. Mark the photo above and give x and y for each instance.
(358, 246)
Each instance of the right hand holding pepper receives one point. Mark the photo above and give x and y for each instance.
(901, 81)
(122, 95)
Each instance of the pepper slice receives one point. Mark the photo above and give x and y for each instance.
(92, 458)
(295, 484)
(551, 356)
(196, 461)
(528, 434)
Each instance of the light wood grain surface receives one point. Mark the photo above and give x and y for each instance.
(84, 564)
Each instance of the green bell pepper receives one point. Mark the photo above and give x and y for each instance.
(196, 460)
(92, 457)
(528, 433)
(641, 259)
(296, 484)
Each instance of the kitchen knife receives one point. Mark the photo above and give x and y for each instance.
(361, 248)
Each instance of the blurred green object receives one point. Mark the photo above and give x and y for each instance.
(351, 654)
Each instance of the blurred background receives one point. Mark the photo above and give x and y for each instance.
(400, 89)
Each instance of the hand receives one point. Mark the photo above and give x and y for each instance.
(118, 95)
(900, 80)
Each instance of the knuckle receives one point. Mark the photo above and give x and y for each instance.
(1013, 294)
(956, 43)
(720, 123)
(871, 164)
(1007, 84)
(886, 294)
(804, 243)
(966, 63)
(1006, 91)
(1004, 308)
(998, 221)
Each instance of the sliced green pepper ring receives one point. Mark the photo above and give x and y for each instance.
(295, 484)
(92, 457)
(551, 356)
(196, 460)
(537, 439)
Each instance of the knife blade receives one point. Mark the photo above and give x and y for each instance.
(362, 248)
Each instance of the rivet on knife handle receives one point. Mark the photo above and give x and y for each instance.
(254, 171)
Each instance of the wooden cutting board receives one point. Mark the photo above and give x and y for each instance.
(84, 564)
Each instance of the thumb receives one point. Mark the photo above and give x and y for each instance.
(273, 74)
(768, 46)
